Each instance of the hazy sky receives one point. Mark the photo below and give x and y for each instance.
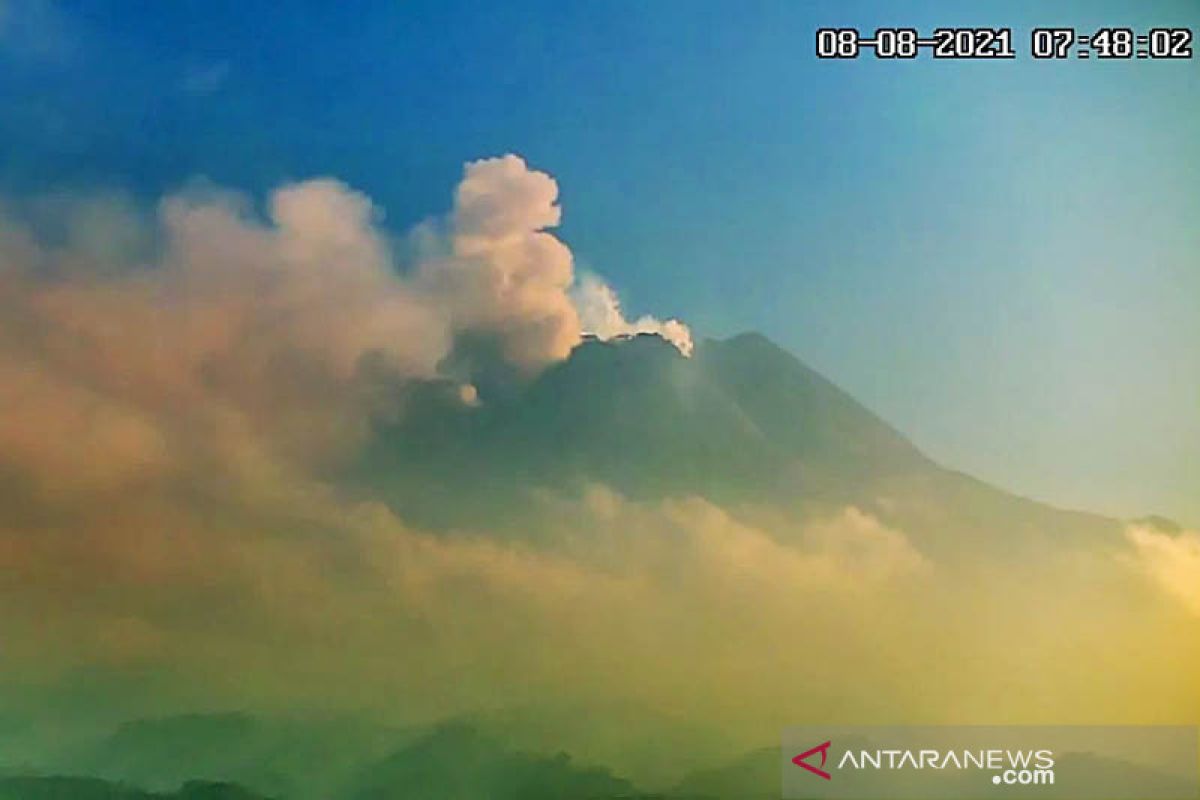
(1002, 259)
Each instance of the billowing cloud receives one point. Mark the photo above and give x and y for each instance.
(284, 335)
(505, 275)
(178, 388)
(247, 336)
(600, 315)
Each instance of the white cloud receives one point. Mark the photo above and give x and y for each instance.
(504, 275)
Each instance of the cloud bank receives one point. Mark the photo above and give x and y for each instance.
(286, 334)
(178, 389)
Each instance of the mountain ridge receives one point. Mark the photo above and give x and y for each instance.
(742, 423)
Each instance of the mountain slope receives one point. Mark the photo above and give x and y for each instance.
(742, 423)
(456, 762)
(293, 758)
(72, 788)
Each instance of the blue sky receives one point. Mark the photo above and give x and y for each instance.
(999, 258)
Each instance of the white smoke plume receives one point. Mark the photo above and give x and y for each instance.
(601, 315)
(500, 271)
(504, 275)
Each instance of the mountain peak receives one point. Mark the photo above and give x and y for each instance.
(742, 420)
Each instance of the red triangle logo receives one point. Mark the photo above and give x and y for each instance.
(802, 760)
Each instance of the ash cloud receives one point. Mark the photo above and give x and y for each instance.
(286, 333)
(504, 274)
